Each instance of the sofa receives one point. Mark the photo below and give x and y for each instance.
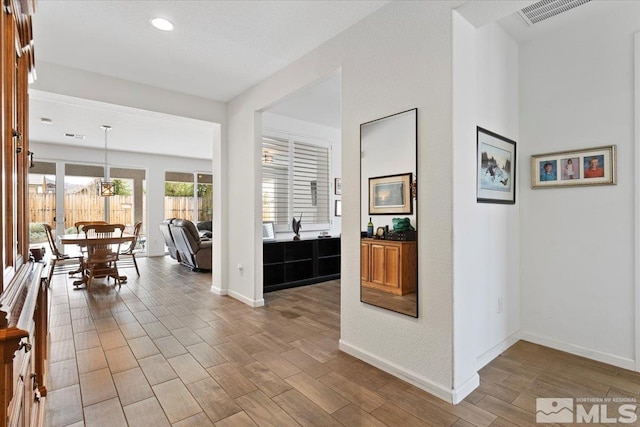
(192, 251)
(205, 228)
(165, 228)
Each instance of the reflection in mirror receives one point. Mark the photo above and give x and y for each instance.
(388, 245)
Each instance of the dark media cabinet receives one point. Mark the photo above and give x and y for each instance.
(292, 263)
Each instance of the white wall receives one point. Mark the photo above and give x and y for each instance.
(63, 80)
(497, 231)
(315, 131)
(395, 59)
(155, 166)
(83, 84)
(486, 236)
(577, 244)
(464, 164)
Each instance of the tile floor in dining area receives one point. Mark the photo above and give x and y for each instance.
(163, 350)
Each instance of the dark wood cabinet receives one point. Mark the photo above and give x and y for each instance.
(300, 262)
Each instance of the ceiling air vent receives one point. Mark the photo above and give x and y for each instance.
(74, 135)
(545, 9)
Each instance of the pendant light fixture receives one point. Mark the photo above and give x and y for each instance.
(107, 187)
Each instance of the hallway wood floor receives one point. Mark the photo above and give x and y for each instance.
(164, 351)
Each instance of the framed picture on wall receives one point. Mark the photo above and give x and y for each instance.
(337, 186)
(496, 168)
(589, 166)
(268, 232)
(390, 194)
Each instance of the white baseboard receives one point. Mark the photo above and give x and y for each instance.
(458, 394)
(611, 359)
(496, 350)
(411, 377)
(216, 290)
(251, 302)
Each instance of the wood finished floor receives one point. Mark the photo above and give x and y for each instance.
(164, 351)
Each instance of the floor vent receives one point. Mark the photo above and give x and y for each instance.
(545, 9)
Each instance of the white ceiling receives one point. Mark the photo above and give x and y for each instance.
(132, 129)
(318, 103)
(217, 50)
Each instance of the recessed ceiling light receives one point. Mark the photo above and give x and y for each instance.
(74, 135)
(46, 121)
(162, 24)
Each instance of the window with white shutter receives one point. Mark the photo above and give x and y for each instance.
(295, 182)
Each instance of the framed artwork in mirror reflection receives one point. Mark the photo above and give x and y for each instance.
(390, 194)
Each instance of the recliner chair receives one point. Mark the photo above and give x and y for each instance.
(193, 251)
(165, 227)
(205, 229)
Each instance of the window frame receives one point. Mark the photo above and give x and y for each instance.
(195, 211)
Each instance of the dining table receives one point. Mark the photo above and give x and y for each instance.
(80, 239)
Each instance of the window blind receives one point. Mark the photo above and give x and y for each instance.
(275, 180)
(311, 182)
(295, 181)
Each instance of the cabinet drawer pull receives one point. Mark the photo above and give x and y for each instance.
(26, 345)
(35, 381)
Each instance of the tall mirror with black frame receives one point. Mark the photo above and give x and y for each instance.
(388, 242)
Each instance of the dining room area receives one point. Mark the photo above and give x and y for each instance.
(96, 249)
(65, 194)
(76, 144)
(86, 220)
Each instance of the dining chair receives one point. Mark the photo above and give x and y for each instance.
(128, 255)
(79, 225)
(103, 249)
(61, 262)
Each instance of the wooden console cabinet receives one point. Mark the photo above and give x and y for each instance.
(389, 266)
(292, 263)
(23, 345)
(23, 298)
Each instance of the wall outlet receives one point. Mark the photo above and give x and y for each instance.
(500, 305)
(240, 267)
